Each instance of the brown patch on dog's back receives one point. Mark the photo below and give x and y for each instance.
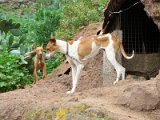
(85, 47)
(102, 41)
(116, 43)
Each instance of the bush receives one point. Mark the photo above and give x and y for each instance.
(47, 20)
(76, 13)
(12, 75)
(54, 62)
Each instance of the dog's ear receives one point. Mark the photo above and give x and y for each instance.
(53, 40)
(42, 45)
(34, 46)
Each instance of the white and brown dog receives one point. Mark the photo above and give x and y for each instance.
(77, 52)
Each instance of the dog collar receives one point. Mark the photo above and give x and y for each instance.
(67, 54)
(67, 48)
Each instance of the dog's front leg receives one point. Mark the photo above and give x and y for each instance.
(75, 77)
(73, 70)
(44, 71)
(35, 76)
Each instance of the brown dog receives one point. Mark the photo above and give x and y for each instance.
(39, 63)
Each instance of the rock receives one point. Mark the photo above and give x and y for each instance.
(158, 82)
(155, 115)
(140, 97)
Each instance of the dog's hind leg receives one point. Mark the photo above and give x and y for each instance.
(75, 78)
(119, 69)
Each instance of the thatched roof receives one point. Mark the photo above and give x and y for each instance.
(152, 8)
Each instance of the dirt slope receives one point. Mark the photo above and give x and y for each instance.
(47, 100)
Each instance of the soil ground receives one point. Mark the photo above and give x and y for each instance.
(52, 91)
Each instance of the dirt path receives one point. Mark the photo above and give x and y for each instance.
(14, 104)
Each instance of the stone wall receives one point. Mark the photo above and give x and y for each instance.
(144, 63)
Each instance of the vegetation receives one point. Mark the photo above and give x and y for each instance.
(12, 75)
(33, 23)
(76, 13)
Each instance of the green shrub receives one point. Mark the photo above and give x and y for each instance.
(54, 62)
(76, 13)
(47, 20)
(12, 75)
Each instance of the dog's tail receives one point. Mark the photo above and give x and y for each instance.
(124, 53)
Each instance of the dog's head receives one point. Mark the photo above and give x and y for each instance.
(39, 52)
(51, 47)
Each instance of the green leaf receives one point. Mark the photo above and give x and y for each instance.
(2, 84)
(17, 26)
(21, 74)
(16, 32)
(10, 21)
(2, 76)
(1, 66)
(23, 49)
(11, 38)
(9, 77)
(15, 45)
(1, 47)
(23, 60)
(22, 39)
(8, 63)
(3, 26)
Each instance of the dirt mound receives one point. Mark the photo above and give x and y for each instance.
(141, 97)
(158, 82)
(91, 29)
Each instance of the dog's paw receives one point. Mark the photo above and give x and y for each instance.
(69, 92)
(114, 83)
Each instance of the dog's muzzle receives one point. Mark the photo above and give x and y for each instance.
(40, 56)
